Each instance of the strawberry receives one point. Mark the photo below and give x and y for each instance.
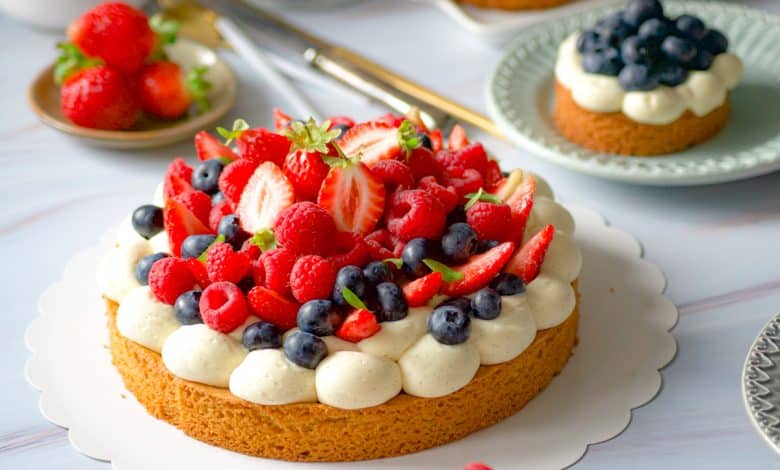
(198, 270)
(390, 119)
(479, 270)
(521, 210)
(198, 202)
(377, 141)
(437, 142)
(115, 32)
(341, 121)
(180, 223)
(353, 196)
(281, 120)
(100, 97)
(529, 258)
(526, 188)
(494, 178)
(234, 178)
(273, 307)
(267, 193)
(261, 145)
(166, 93)
(207, 146)
(218, 211)
(304, 166)
(358, 325)
(457, 139)
(421, 290)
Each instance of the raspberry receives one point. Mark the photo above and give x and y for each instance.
(223, 307)
(198, 270)
(178, 167)
(251, 250)
(493, 176)
(422, 164)
(221, 209)
(446, 195)
(393, 174)
(490, 221)
(349, 249)
(273, 307)
(377, 252)
(234, 178)
(278, 264)
(305, 229)
(305, 171)
(472, 156)
(312, 278)
(257, 269)
(464, 181)
(415, 213)
(224, 264)
(169, 278)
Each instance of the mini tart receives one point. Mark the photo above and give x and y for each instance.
(314, 432)
(516, 4)
(618, 134)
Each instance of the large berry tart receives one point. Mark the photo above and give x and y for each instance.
(341, 291)
(641, 83)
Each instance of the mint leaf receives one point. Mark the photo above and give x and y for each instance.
(447, 274)
(481, 195)
(202, 258)
(397, 262)
(352, 298)
(239, 126)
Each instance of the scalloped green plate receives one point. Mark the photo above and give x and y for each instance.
(520, 100)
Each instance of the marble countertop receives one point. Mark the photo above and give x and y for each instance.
(718, 245)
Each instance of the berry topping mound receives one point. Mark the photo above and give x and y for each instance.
(342, 265)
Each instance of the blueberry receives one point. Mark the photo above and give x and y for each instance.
(144, 265)
(318, 317)
(702, 61)
(715, 42)
(637, 77)
(305, 349)
(485, 245)
(392, 303)
(377, 272)
(612, 32)
(589, 41)
(449, 325)
(413, 254)
(147, 220)
(508, 284)
(206, 176)
(343, 128)
(261, 335)
(352, 278)
(691, 27)
(671, 74)
(217, 197)
(639, 11)
(461, 303)
(425, 141)
(604, 62)
(636, 51)
(679, 50)
(195, 245)
(456, 215)
(654, 30)
(187, 308)
(232, 231)
(459, 242)
(486, 304)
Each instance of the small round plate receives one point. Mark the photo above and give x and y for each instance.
(44, 98)
(761, 383)
(520, 98)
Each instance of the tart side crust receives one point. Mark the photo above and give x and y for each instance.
(617, 133)
(516, 4)
(315, 432)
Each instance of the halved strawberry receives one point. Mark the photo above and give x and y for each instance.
(273, 307)
(521, 210)
(234, 178)
(341, 121)
(207, 146)
(436, 140)
(198, 270)
(390, 118)
(494, 178)
(180, 223)
(457, 138)
(354, 197)
(266, 194)
(479, 270)
(421, 290)
(177, 178)
(376, 141)
(262, 145)
(281, 120)
(526, 188)
(358, 325)
(529, 258)
(198, 202)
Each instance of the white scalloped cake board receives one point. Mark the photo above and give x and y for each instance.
(624, 341)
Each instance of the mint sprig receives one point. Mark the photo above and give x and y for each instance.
(447, 274)
(352, 298)
(239, 126)
(481, 195)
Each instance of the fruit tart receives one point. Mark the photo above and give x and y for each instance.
(341, 291)
(641, 83)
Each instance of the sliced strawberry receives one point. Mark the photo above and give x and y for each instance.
(421, 290)
(479, 270)
(198, 202)
(234, 178)
(261, 145)
(374, 141)
(358, 325)
(207, 146)
(341, 121)
(494, 178)
(198, 270)
(457, 138)
(529, 258)
(273, 307)
(354, 197)
(281, 120)
(180, 223)
(267, 193)
(306, 171)
(390, 119)
(436, 140)
(521, 210)
(526, 188)
(177, 178)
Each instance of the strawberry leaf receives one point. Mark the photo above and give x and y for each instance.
(239, 126)
(199, 87)
(166, 31)
(264, 239)
(447, 274)
(309, 136)
(70, 61)
(408, 139)
(202, 258)
(352, 299)
(481, 195)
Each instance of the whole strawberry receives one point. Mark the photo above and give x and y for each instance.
(167, 92)
(100, 97)
(115, 32)
(304, 165)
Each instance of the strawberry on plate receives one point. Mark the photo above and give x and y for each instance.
(267, 193)
(358, 325)
(99, 97)
(180, 223)
(207, 147)
(479, 270)
(376, 141)
(421, 290)
(166, 92)
(353, 195)
(528, 260)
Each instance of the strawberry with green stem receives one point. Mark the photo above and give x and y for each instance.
(166, 92)
(376, 141)
(304, 165)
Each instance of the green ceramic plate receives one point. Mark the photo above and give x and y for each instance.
(520, 99)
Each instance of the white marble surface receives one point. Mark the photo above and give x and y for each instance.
(718, 245)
